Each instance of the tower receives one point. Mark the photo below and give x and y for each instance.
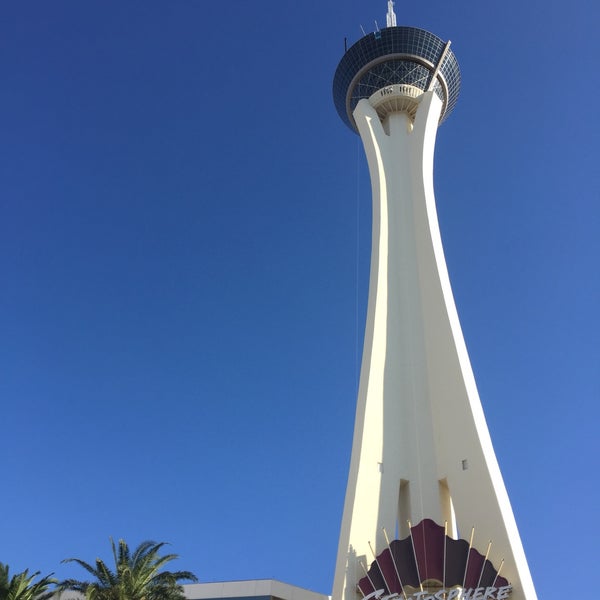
(426, 513)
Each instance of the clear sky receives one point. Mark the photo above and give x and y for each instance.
(184, 250)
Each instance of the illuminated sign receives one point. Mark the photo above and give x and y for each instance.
(430, 565)
(480, 593)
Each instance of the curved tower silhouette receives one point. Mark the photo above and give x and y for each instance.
(426, 510)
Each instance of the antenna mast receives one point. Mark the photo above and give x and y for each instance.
(391, 15)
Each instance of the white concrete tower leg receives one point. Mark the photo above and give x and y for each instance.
(393, 438)
(421, 446)
(465, 458)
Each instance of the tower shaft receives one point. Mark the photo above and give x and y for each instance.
(421, 446)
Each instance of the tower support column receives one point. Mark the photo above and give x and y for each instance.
(393, 472)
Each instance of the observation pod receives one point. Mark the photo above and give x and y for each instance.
(426, 513)
(401, 62)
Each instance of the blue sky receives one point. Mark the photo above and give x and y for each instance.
(184, 251)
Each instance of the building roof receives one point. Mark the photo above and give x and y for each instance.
(254, 588)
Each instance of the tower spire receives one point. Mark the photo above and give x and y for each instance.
(421, 452)
(391, 15)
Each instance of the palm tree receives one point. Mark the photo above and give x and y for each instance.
(137, 576)
(22, 587)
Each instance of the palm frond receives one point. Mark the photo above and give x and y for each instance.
(105, 576)
(114, 551)
(73, 585)
(177, 576)
(145, 549)
(23, 587)
(91, 570)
